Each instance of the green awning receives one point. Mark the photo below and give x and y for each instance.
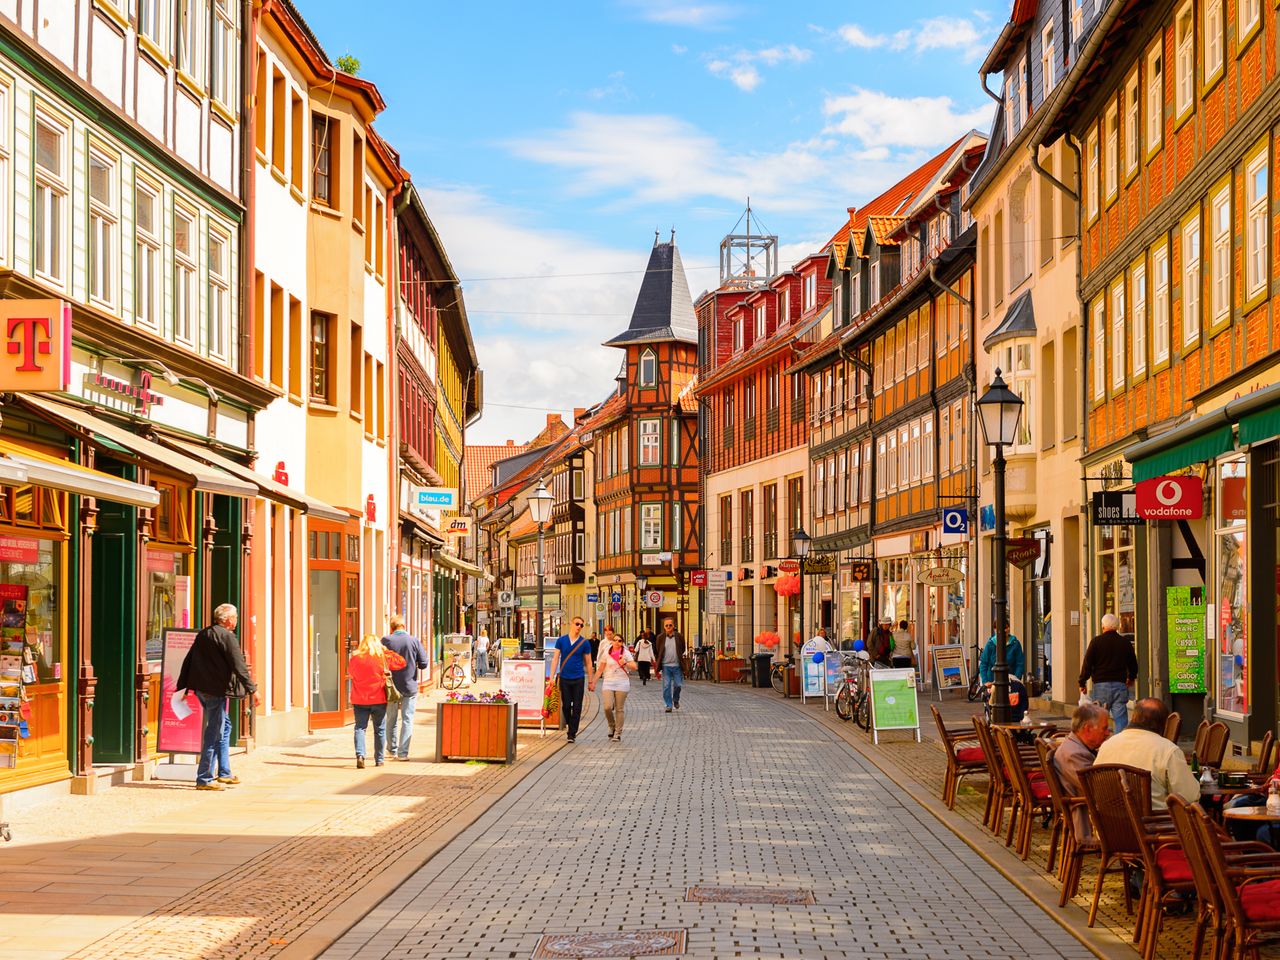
(1263, 425)
(1198, 449)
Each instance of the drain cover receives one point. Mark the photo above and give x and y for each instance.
(707, 894)
(646, 943)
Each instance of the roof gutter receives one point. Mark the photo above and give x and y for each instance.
(1068, 86)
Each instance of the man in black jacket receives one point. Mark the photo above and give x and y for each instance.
(668, 651)
(215, 669)
(1113, 667)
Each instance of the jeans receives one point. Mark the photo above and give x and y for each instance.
(615, 702)
(1114, 696)
(571, 702)
(482, 664)
(672, 681)
(378, 713)
(401, 715)
(215, 743)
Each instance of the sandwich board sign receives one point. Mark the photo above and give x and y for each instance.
(893, 702)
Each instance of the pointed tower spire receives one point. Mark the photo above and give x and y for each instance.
(664, 309)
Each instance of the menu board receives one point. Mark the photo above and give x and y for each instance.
(893, 702)
(1185, 615)
(524, 681)
(181, 717)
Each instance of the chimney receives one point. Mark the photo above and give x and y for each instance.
(579, 413)
(511, 443)
(553, 418)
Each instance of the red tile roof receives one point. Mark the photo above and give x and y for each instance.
(687, 398)
(479, 458)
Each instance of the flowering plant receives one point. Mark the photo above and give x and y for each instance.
(499, 697)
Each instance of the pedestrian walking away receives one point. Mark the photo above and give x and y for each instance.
(368, 669)
(644, 657)
(903, 646)
(1111, 663)
(611, 674)
(482, 655)
(570, 666)
(214, 668)
(668, 651)
(400, 714)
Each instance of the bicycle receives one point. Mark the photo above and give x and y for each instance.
(453, 676)
(700, 663)
(778, 673)
(853, 696)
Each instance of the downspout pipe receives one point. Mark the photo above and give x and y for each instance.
(391, 393)
(248, 319)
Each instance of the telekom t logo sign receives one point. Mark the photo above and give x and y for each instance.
(37, 345)
(33, 339)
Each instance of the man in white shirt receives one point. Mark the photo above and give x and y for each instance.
(1142, 744)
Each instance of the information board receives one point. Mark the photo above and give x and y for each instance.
(893, 702)
(524, 681)
(950, 668)
(1185, 613)
(813, 675)
(181, 718)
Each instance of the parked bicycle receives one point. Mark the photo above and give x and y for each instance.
(778, 672)
(453, 676)
(702, 663)
(853, 694)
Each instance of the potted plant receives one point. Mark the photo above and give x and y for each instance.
(471, 727)
(728, 667)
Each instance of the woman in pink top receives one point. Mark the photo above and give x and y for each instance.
(615, 661)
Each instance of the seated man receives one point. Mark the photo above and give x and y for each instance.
(1077, 752)
(1142, 744)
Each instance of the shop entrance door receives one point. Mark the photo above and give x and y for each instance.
(224, 587)
(328, 664)
(112, 622)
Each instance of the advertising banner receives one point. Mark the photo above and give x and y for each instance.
(181, 716)
(524, 681)
(893, 702)
(1184, 609)
(1170, 498)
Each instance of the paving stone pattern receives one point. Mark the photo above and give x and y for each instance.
(735, 789)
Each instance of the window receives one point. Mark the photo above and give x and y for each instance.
(651, 526)
(190, 35)
(1138, 305)
(219, 297)
(1118, 338)
(579, 483)
(1091, 173)
(185, 302)
(1048, 65)
(49, 216)
(1011, 102)
(357, 179)
(1231, 556)
(1014, 360)
(1250, 15)
(1099, 349)
(1117, 585)
(1191, 280)
(1184, 65)
(874, 297)
(322, 161)
(1160, 313)
(726, 529)
(1113, 152)
(1020, 218)
(297, 130)
(650, 443)
(648, 369)
(914, 456)
(904, 456)
(760, 322)
(1220, 264)
(1213, 37)
(103, 228)
(1132, 125)
(810, 291)
(1155, 97)
(321, 357)
(882, 475)
(153, 24)
(747, 524)
(1077, 20)
(579, 547)
(222, 76)
(146, 266)
(277, 95)
(355, 371)
(737, 334)
(1255, 230)
(296, 341)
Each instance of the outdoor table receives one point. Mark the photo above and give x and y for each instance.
(1255, 814)
(1216, 790)
(1030, 731)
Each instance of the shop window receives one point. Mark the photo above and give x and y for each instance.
(1116, 573)
(172, 514)
(29, 578)
(896, 582)
(168, 587)
(1232, 596)
(24, 505)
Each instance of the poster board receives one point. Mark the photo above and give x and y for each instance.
(893, 702)
(510, 646)
(462, 650)
(813, 676)
(177, 734)
(950, 668)
(1185, 613)
(524, 681)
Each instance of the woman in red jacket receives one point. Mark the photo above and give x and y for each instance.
(368, 672)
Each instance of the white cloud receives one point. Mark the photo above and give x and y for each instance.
(935, 33)
(744, 76)
(855, 36)
(880, 120)
(615, 89)
(739, 66)
(679, 50)
(702, 16)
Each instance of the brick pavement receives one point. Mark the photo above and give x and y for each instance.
(158, 870)
(734, 789)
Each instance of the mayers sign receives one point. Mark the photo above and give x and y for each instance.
(1171, 498)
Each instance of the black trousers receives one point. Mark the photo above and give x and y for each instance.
(571, 692)
(643, 667)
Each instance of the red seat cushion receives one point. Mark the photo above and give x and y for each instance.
(971, 755)
(1039, 789)
(1261, 901)
(1173, 865)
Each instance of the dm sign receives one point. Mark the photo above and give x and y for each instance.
(37, 345)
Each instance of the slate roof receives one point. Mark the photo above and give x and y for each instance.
(1019, 321)
(664, 309)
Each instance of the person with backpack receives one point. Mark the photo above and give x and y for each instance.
(880, 647)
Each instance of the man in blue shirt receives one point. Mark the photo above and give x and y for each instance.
(571, 664)
(406, 680)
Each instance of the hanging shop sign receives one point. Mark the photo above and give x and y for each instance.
(820, 565)
(457, 527)
(1020, 551)
(789, 566)
(1184, 610)
(445, 498)
(860, 571)
(940, 576)
(1116, 508)
(1170, 498)
(698, 578)
(37, 345)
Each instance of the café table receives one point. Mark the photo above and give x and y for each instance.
(1251, 814)
(1028, 731)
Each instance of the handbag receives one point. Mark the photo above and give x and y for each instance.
(393, 694)
(551, 693)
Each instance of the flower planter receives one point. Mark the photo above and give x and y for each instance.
(476, 731)
(727, 670)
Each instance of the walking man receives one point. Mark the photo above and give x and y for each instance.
(482, 654)
(400, 715)
(1113, 666)
(571, 664)
(668, 649)
(215, 669)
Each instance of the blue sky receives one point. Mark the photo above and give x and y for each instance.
(550, 141)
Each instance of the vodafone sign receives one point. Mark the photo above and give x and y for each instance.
(1171, 498)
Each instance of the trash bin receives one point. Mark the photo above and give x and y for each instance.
(760, 669)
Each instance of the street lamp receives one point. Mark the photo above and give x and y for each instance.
(540, 510)
(999, 410)
(642, 585)
(800, 542)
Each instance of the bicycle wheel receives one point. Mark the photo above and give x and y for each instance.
(975, 689)
(862, 714)
(776, 677)
(452, 677)
(844, 702)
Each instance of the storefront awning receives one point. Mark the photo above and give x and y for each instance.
(206, 478)
(1258, 414)
(1196, 441)
(268, 487)
(447, 558)
(73, 478)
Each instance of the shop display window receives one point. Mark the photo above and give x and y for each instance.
(168, 597)
(1116, 578)
(32, 564)
(895, 589)
(1230, 568)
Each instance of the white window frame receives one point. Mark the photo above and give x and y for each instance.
(881, 457)
(1138, 314)
(650, 526)
(944, 431)
(1220, 261)
(1132, 124)
(1155, 97)
(1093, 162)
(1048, 65)
(1077, 19)
(190, 18)
(737, 334)
(761, 321)
(926, 448)
(1248, 16)
(1191, 279)
(649, 360)
(1100, 348)
(1212, 40)
(104, 230)
(1111, 127)
(155, 25)
(148, 266)
(810, 291)
(218, 311)
(51, 204)
(1161, 314)
(186, 271)
(1256, 225)
(784, 306)
(1184, 61)
(224, 72)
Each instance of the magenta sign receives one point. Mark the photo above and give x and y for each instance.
(177, 734)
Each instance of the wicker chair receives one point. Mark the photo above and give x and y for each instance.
(1166, 872)
(1215, 745)
(964, 756)
(1173, 726)
(1202, 731)
(1104, 789)
(1248, 890)
(1266, 752)
(1074, 847)
(999, 790)
(1031, 798)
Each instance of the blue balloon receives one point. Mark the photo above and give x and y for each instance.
(1239, 660)
(859, 646)
(817, 657)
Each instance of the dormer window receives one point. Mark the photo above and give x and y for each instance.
(648, 369)
(784, 306)
(810, 291)
(875, 282)
(737, 334)
(760, 322)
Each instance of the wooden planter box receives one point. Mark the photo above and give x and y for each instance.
(476, 731)
(727, 670)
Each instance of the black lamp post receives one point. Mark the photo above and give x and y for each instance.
(540, 510)
(999, 410)
(642, 585)
(800, 542)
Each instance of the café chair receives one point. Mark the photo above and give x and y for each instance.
(1215, 745)
(1202, 731)
(1104, 787)
(1263, 768)
(1031, 797)
(964, 756)
(1166, 872)
(1074, 847)
(999, 789)
(1248, 890)
(1173, 726)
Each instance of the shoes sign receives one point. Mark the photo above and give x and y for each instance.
(1170, 498)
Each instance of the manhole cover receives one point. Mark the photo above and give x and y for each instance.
(649, 943)
(749, 895)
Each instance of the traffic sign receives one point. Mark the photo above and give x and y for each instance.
(955, 520)
(599, 607)
(616, 596)
(653, 598)
(593, 597)
(506, 598)
(616, 606)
